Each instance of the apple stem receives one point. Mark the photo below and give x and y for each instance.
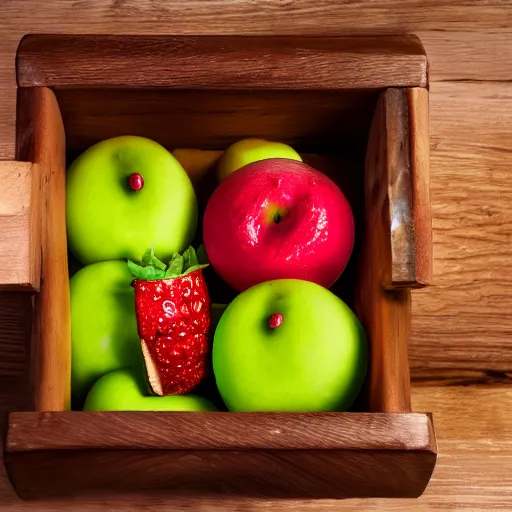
(275, 320)
(277, 218)
(136, 181)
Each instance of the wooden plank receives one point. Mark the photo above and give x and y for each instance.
(473, 470)
(464, 321)
(221, 62)
(419, 149)
(20, 216)
(387, 260)
(41, 137)
(15, 337)
(456, 377)
(261, 473)
(388, 177)
(301, 16)
(465, 55)
(216, 119)
(219, 431)
(463, 42)
(397, 188)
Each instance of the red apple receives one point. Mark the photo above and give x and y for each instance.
(278, 219)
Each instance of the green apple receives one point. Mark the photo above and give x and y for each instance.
(289, 346)
(103, 324)
(122, 390)
(247, 151)
(127, 194)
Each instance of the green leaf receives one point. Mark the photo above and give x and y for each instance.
(175, 266)
(153, 269)
(148, 255)
(145, 273)
(194, 268)
(202, 257)
(149, 259)
(190, 258)
(136, 270)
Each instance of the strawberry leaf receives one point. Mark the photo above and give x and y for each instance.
(175, 266)
(194, 268)
(149, 259)
(190, 258)
(145, 273)
(153, 269)
(146, 259)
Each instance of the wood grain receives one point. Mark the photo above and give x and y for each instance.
(389, 189)
(386, 262)
(20, 245)
(221, 62)
(461, 323)
(16, 310)
(263, 473)
(219, 431)
(132, 16)
(309, 120)
(457, 377)
(41, 140)
(473, 471)
(419, 156)
(402, 166)
(475, 33)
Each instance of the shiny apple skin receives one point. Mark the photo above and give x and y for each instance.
(312, 239)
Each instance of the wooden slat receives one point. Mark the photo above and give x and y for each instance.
(464, 321)
(419, 151)
(219, 431)
(222, 62)
(216, 119)
(20, 216)
(389, 177)
(41, 136)
(468, 41)
(301, 16)
(387, 255)
(220, 474)
(16, 310)
(473, 470)
(397, 188)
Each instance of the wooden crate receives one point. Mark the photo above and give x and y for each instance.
(357, 108)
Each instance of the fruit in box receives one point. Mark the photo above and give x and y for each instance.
(122, 390)
(289, 345)
(127, 194)
(173, 318)
(278, 219)
(275, 218)
(103, 325)
(197, 162)
(251, 150)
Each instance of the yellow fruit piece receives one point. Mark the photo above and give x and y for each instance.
(247, 151)
(196, 162)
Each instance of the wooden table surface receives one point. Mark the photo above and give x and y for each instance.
(461, 351)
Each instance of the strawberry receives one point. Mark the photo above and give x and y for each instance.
(173, 317)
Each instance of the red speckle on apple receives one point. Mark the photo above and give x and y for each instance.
(275, 320)
(136, 181)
